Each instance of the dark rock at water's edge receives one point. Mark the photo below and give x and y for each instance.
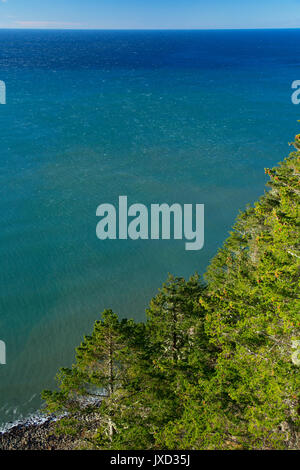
(34, 436)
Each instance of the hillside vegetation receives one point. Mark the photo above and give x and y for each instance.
(216, 364)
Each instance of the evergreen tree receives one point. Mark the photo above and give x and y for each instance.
(161, 368)
(178, 347)
(90, 391)
(252, 303)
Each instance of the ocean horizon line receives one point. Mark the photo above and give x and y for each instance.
(153, 29)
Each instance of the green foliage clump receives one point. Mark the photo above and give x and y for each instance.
(216, 365)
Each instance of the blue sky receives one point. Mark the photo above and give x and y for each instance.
(149, 14)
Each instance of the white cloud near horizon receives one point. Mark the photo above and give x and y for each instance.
(45, 24)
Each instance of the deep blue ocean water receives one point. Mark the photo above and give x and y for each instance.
(178, 116)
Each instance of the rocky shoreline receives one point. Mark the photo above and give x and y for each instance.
(34, 436)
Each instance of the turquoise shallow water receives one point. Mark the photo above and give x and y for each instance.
(188, 117)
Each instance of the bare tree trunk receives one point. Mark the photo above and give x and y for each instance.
(111, 430)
